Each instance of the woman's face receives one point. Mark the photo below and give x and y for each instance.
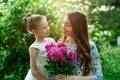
(67, 27)
(43, 28)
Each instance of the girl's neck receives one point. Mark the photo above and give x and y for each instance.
(40, 39)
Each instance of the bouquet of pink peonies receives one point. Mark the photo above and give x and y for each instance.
(60, 59)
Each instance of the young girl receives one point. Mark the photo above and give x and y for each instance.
(38, 25)
(75, 35)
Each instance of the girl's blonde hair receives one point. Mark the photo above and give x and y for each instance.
(32, 21)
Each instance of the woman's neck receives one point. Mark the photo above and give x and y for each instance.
(70, 41)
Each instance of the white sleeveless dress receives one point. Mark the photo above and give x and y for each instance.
(40, 60)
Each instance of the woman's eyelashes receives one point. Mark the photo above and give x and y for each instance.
(68, 25)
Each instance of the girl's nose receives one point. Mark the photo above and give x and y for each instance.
(48, 28)
(63, 26)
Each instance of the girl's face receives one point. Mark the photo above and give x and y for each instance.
(43, 28)
(67, 27)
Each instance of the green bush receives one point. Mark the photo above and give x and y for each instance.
(110, 59)
(108, 13)
(109, 56)
(14, 37)
(98, 35)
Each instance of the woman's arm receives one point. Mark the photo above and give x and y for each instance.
(78, 78)
(96, 66)
(95, 62)
(33, 52)
(72, 77)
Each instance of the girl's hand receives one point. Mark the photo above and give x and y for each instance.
(42, 79)
(60, 77)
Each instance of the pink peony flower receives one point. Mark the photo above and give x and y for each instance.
(72, 56)
(61, 56)
(63, 50)
(52, 54)
(59, 59)
(49, 46)
(59, 52)
(61, 44)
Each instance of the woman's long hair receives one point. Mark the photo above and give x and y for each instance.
(80, 29)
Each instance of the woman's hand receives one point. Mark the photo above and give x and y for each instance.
(60, 77)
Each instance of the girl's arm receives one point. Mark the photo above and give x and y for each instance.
(33, 53)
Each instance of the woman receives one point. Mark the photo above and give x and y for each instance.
(75, 36)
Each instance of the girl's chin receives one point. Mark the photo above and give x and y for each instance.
(65, 35)
(47, 34)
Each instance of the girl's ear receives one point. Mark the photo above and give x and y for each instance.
(33, 31)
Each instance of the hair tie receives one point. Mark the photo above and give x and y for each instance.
(28, 19)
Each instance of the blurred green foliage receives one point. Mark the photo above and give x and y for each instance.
(108, 14)
(110, 59)
(15, 40)
(14, 37)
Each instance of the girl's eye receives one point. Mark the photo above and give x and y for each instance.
(45, 27)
